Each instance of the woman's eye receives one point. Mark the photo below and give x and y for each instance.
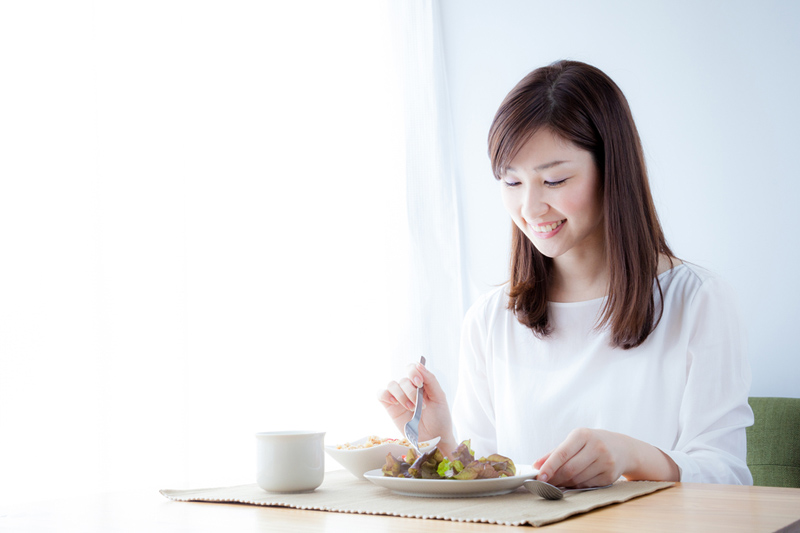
(510, 183)
(555, 183)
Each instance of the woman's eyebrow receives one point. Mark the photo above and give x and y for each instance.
(544, 166)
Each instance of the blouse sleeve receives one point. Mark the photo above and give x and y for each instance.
(473, 407)
(714, 411)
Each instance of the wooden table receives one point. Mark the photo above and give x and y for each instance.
(684, 508)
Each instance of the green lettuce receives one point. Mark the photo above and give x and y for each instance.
(448, 468)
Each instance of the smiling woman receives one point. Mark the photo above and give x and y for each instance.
(601, 330)
(608, 210)
(206, 196)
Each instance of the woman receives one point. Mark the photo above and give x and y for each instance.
(604, 355)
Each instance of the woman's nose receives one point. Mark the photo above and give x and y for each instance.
(533, 206)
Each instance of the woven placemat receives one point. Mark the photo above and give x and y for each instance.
(341, 492)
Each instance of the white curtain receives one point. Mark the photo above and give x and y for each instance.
(437, 282)
(204, 234)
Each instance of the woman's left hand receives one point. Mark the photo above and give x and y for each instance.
(595, 457)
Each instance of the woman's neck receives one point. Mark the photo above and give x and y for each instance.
(577, 277)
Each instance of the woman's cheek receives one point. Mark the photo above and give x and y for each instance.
(505, 196)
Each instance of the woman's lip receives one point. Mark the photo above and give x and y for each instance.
(549, 234)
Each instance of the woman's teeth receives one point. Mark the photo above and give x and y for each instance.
(547, 227)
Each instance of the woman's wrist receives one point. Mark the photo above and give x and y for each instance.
(648, 463)
(447, 445)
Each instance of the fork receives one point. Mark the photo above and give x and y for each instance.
(412, 427)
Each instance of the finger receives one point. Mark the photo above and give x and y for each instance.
(563, 453)
(387, 398)
(605, 467)
(391, 404)
(433, 390)
(598, 481)
(398, 412)
(574, 470)
(539, 462)
(410, 390)
(589, 475)
(415, 375)
(399, 392)
(579, 470)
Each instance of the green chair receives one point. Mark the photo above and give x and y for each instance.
(773, 442)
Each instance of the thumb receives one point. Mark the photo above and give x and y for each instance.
(433, 390)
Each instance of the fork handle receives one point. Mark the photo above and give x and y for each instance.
(418, 408)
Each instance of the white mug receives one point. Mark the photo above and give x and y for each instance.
(290, 461)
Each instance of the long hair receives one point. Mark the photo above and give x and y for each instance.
(581, 104)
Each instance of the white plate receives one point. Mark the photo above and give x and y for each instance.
(452, 488)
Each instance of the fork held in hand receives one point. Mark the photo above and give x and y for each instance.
(412, 427)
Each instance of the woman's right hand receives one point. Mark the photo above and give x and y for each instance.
(399, 399)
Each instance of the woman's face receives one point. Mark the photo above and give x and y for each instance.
(552, 192)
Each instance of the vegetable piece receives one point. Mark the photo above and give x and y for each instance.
(445, 469)
(425, 467)
(502, 464)
(411, 456)
(478, 470)
(464, 453)
(394, 467)
(448, 468)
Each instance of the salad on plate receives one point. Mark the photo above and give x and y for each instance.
(462, 465)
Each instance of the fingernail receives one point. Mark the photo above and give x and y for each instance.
(418, 382)
(410, 406)
(542, 477)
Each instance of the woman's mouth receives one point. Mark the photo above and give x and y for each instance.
(545, 231)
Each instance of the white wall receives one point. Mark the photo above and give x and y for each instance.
(714, 89)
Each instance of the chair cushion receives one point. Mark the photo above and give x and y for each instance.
(773, 442)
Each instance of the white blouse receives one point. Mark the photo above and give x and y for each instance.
(684, 390)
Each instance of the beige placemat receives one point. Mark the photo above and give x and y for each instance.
(342, 492)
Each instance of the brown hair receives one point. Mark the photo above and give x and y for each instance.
(581, 104)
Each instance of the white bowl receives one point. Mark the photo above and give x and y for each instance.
(363, 460)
